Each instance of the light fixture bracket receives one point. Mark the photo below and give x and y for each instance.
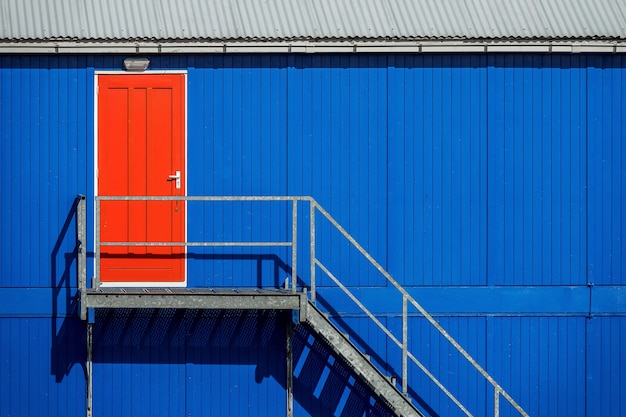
(136, 63)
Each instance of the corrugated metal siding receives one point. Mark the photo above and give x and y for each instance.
(606, 365)
(41, 367)
(337, 152)
(237, 130)
(327, 19)
(459, 377)
(557, 343)
(437, 173)
(553, 349)
(492, 154)
(442, 166)
(537, 169)
(44, 105)
(152, 363)
(607, 182)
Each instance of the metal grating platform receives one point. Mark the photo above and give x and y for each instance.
(201, 298)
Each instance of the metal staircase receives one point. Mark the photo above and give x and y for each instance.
(382, 386)
(297, 297)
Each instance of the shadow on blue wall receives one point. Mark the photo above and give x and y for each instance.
(269, 269)
(375, 357)
(68, 332)
(323, 385)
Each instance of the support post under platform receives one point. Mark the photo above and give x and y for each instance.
(89, 369)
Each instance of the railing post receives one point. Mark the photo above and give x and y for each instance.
(289, 356)
(312, 259)
(496, 402)
(405, 343)
(294, 244)
(89, 370)
(81, 261)
(96, 282)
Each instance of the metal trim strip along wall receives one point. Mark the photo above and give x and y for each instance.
(312, 47)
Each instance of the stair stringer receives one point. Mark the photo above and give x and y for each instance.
(400, 404)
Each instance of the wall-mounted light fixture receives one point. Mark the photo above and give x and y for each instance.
(135, 63)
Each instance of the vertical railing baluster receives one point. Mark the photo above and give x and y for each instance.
(294, 244)
(96, 283)
(81, 261)
(496, 402)
(405, 343)
(89, 370)
(312, 259)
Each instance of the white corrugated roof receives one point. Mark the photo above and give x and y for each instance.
(285, 20)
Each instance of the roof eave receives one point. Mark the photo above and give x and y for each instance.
(608, 45)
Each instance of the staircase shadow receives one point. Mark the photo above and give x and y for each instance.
(325, 386)
(364, 347)
(124, 339)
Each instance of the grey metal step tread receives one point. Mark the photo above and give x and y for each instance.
(360, 363)
(197, 298)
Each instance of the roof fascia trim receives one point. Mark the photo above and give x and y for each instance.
(38, 47)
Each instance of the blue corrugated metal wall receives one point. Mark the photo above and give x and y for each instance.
(237, 121)
(492, 186)
(537, 171)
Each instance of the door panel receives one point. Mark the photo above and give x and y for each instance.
(141, 143)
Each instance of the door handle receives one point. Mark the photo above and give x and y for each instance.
(175, 177)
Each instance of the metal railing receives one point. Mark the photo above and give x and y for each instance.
(293, 243)
(315, 263)
(407, 300)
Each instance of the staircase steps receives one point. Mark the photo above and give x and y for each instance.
(360, 364)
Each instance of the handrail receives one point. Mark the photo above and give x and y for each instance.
(293, 243)
(314, 208)
(403, 345)
(406, 297)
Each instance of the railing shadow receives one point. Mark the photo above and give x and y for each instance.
(68, 333)
(124, 339)
(325, 386)
(256, 277)
(280, 266)
(280, 269)
(364, 345)
(407, 300)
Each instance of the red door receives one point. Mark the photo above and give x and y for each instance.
(141, 152)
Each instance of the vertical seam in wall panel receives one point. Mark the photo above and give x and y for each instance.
(288, 67)
(11, 163)
(387, 261)
(487, 115)
(587, 178)
(588, 319)
(621, 268)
